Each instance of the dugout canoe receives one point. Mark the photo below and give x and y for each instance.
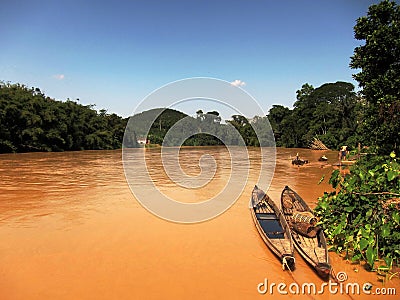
(313, 249)
(272, 227)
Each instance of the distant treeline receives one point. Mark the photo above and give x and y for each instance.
(173, 128)
(332, 112)
(31, 121)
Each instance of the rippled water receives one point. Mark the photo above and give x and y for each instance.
(71, 229)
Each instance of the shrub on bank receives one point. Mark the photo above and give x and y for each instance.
(362, 216)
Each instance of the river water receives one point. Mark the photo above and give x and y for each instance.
(70, 228)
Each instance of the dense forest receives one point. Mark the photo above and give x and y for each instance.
(331, 112)
(31, 121)
(173, 128)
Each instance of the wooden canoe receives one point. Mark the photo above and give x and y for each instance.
(313, 249)
(272, 227)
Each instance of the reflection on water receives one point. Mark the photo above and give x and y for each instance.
(71, 229)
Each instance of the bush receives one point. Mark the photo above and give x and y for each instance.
(362, 216)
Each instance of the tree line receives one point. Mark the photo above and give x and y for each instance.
(332, 112)
(31, 121)
(170, 127)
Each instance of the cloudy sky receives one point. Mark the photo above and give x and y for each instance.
(114, 53)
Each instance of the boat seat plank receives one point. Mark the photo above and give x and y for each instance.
(266, 216)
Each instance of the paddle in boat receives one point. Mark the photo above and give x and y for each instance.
(272, 227)
(309, 239)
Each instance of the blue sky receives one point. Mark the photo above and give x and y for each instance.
(114, 53)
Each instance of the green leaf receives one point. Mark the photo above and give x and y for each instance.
(370, 253)
(349, 238)
(385, 230)
(368, 214)
(371, 240)
(396, 217)
(363, 244)
(356, 257)
(323, 205)
(337, 230)
(391, 175)
(388, 261)
(334, 178)
(349, 208)
(364, 233)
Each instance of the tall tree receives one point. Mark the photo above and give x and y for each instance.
(379, 61)
(334, 118)
(328, 111)
(275, 116)
(303, 112)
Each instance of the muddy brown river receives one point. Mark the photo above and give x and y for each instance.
(70, 228)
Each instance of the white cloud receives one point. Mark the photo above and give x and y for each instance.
(238, 82)
(59, 76)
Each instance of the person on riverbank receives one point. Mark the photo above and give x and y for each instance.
(343, 153)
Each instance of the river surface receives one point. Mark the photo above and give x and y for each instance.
(70, 228)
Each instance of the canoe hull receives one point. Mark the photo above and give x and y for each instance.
(313, 250)
(272, 227)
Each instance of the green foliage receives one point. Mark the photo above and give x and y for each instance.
(30, 121)
(277, 114)
(330, 112)
(205, 129)
(362, 216)
(379, 77)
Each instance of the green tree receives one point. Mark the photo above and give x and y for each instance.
(379, 60)
(276, 115)
(329, 112)
(303, 113)
(334, 116)
(245, 129)
(30, 121)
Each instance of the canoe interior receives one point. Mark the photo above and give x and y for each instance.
(271, 225)
(314, 250)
